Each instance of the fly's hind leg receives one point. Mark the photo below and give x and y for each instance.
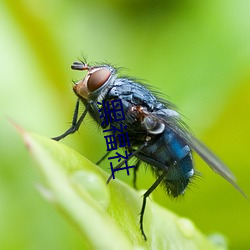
(137, 165)
(145, 196)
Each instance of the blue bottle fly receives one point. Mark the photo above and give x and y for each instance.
(157, 135)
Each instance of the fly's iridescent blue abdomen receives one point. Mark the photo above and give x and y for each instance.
(170, 154)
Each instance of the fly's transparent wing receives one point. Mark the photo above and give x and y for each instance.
(175, 124)
(210, 158)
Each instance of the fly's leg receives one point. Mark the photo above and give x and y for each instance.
(133, 154)
(103, 158)
(145, 196)
(137, 165)
(75, 124)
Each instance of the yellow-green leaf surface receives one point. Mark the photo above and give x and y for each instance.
(106, 216)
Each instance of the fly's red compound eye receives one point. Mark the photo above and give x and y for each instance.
(97, 79)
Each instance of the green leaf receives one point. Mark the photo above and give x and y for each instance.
(106, 215)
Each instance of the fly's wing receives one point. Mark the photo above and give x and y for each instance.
(212, 160)
(174, 123)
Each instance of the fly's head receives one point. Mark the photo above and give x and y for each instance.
(93, 85)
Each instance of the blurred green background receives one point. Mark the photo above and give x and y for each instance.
(196, 52)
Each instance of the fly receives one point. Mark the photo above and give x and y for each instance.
(158, 136)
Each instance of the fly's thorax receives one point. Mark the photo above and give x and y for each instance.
(94, 85)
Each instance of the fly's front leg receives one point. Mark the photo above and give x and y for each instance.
(75, 123)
